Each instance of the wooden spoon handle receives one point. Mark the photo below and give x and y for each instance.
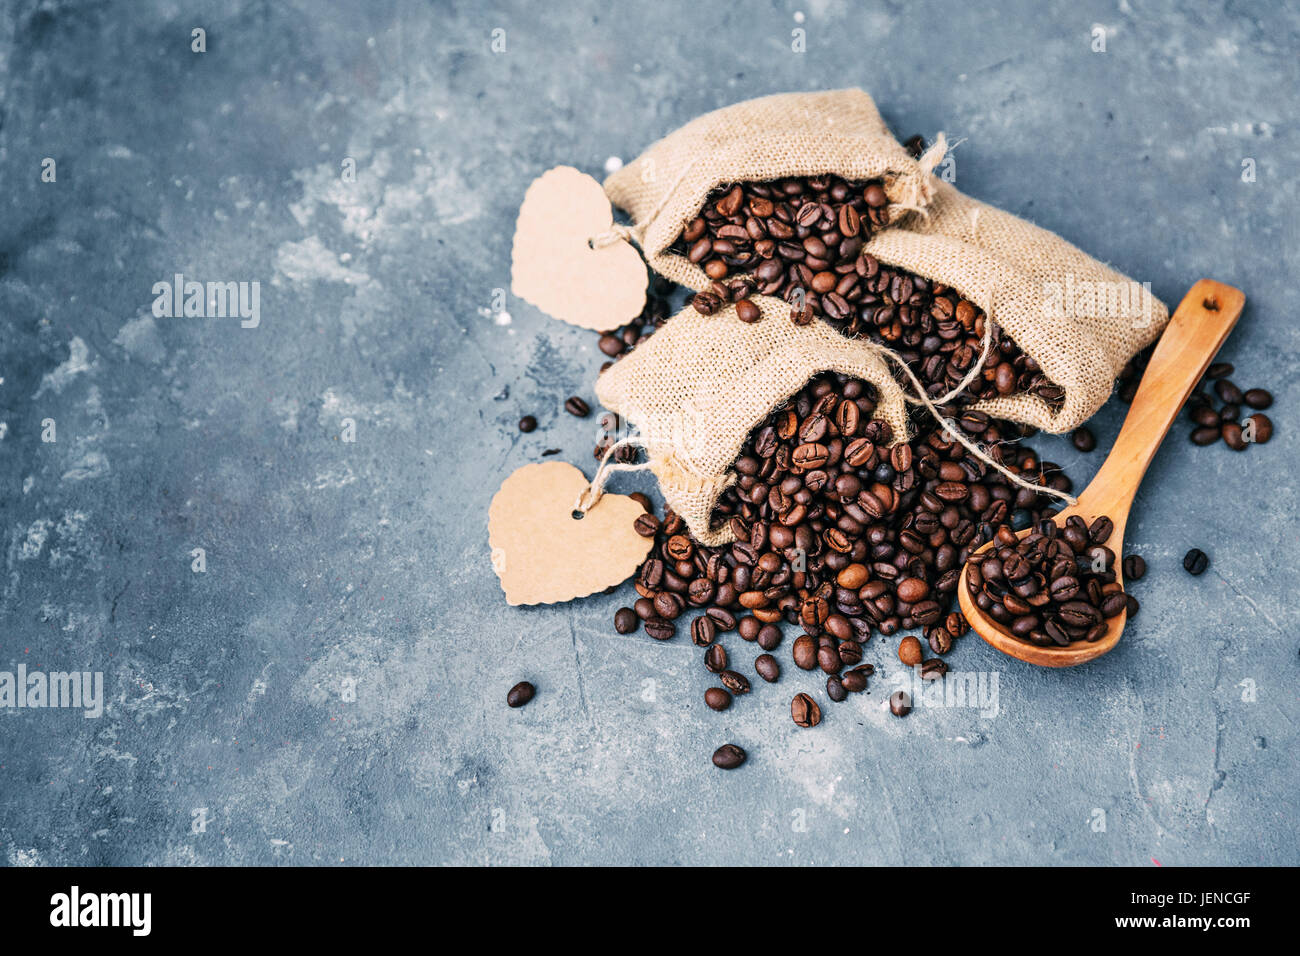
(1198, 327)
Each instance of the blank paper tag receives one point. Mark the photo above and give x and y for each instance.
(542, 554)
(556, 269)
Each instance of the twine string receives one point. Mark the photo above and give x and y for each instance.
(596, 488)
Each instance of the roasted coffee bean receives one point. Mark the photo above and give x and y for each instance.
(715, 658)
(576, 406)
(939, 639)
(527, 423)
(717, 698)
(1228, 392)
(1258, 398)
(747, 311)
(933, 669)
(1232, 436)
(1205, 435)
(728, 757)
(660, 629)
(626, 620)
(1100, 529)
(1135, 568)
(1195, 561)
(909, 651)
(703, 631)
(1083, 438)
(643, 501)
(835, 689)
(1206, 417)
(520, 694)
(1259, 428)
(900, 703)
(767, 667)
(854, 681)
(769, 637)
(1219, 370)
(735, 682)
(804, 711)
(647, 526)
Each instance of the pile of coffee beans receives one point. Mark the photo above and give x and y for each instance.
(801, 239)
(840, 534)
(784, 234)
(1054, 586)
(1226, 421)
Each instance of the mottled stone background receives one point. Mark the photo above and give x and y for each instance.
(330, 562)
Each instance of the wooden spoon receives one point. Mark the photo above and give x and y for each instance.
(1193, 336)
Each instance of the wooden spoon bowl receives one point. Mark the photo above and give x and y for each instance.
(1198, 327)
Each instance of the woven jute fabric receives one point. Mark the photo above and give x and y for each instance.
(1079, 319)
(696, 388)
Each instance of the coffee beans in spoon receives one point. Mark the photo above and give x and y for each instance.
(1053, 586)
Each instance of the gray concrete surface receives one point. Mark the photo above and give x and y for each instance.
(229, 734)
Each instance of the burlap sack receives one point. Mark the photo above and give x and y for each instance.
(1075, 316)
(696, 388)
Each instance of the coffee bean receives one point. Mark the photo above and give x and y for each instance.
(933, 669)
(1083, 439)
(939, 639)
(576, 406)
(1228, 392)
(626, 620)
(717, 698)
(1206, 417)
(1219, 370)
(854, 681)
(1101, 529)
(703, 631)
(520, 694)
(1262, 427)
(735, 682)
(900, 703)
(1205, 435)
(1135, 568)
(747, 311)
(728, 757)
(804, 711)
(835, 690)
(1195, 561)
(715, 658)
(909, 651)
(660, 629)
(767, 667)
(527, 423)
(1232, 436)
(1258, 398)
(647, 525)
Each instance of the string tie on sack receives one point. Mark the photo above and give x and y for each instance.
(917, 195)
(593, 492)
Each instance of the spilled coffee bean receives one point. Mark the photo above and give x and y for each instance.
(728, 757)
(1195, 561)
(520, 694)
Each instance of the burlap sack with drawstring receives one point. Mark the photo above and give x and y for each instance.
(1079, 319)
(696, 388)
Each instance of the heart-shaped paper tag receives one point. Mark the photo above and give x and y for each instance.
(542, 554)
(557, 268)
